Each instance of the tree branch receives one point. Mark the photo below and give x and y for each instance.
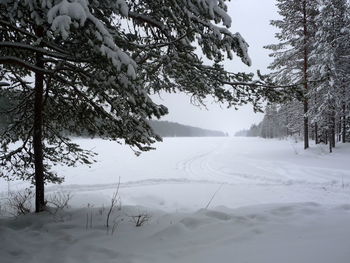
(10, 60)
(16, 28)
(43, 51)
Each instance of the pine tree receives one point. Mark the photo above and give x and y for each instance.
(331, 66)
(68, 66)
(291, 56)
(291, 114)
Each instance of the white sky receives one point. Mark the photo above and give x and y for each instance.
(251, 19)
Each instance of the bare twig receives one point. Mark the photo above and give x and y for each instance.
(211, 199)
(140, 219)
(114, 202)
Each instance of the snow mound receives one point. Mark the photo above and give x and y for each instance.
(302, 232)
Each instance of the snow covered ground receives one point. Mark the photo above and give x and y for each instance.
(267, 201)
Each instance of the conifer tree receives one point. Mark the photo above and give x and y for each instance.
(73, 65)
(331, 65)
(292, 54)
(291, 114)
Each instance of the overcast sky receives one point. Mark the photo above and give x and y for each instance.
(251, 19)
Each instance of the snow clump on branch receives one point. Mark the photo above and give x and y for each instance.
(63, 14)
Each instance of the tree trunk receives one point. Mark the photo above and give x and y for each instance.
(306, 125)
(339, 130)
(330, 141)
(316, 133)
(38, 133)
(344, 124)
(333, 130)
(306, 104)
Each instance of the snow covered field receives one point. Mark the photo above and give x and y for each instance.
(267, 201)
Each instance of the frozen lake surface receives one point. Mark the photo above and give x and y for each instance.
(184, 173)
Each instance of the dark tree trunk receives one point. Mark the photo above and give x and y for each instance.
(330, 133)
(306, 104)
(316, 133)
(38, 133)
(339, 130)
(306, 125)
(344, 124)
(333, 130)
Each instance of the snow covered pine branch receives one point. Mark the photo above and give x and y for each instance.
(88, 67)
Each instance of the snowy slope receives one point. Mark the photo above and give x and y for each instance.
(293, 233)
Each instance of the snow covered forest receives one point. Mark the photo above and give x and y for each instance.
(85, 175)
(314, 49)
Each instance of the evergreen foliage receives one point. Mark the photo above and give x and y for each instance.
(319, 60)
(331, 65)
(67, 64)
(292, 55)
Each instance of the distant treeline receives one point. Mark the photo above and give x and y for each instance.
(162, 128)
(284, 121)
(277, 123)
(173, 129)
(254, 131)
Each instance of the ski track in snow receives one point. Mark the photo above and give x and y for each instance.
(131, 184)
(280, 173)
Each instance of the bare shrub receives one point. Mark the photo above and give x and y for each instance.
(140, 219)
(20, 203)
(59, 200)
